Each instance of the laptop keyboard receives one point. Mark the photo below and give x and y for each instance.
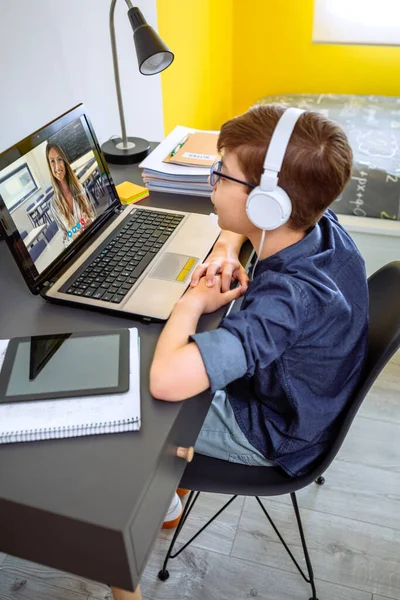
(116, 268)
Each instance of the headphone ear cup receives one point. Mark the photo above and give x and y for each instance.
(268, 210)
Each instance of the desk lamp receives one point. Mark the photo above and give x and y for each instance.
(153, 57)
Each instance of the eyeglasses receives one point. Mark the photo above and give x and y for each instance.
(215, 175)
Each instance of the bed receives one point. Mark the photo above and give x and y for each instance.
(372, 124)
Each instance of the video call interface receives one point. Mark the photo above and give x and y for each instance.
(55, 192)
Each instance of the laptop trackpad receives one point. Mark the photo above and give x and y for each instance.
(174, 267)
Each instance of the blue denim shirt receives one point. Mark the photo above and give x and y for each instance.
(292, 357)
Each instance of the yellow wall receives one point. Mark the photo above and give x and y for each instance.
(229, 53)
(282, 58)
(197, 87)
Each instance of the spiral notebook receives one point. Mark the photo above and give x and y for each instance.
(73, 417)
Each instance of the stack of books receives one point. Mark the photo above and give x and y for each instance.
(181, 162)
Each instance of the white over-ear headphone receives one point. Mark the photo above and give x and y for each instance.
(268, 206)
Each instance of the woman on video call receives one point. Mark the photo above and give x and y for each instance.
(72, 210)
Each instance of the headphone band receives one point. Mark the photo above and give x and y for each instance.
(277, 148)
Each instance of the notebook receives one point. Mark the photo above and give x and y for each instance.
(198, 149)
(73, 417)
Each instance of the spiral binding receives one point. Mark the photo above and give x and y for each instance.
(49, 433)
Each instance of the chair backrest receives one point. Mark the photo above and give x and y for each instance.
(384, 314)
(46, 202)
(49, 194)
(50, 231)
(384, 341)
(37, 249)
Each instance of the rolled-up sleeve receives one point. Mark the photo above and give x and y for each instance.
(223, 356)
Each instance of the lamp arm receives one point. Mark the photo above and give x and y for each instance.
(116, 71)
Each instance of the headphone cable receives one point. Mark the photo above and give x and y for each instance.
(259, 252)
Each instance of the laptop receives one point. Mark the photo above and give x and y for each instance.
(74, 242)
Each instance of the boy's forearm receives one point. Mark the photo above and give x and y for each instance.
(177, 371)
(228, 239)
(179, 327)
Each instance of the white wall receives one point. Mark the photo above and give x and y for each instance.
(54, 55)
(377, 250)
(377, 239)
(357, 22)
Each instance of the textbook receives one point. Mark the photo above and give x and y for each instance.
(164, 176)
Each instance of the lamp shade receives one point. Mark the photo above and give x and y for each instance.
(152, 54)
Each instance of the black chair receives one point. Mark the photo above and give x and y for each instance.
(81, 172)
(50, 232)
(37, 250)
(34, 215)
(44, 209)
(92, 191)
(206, 474)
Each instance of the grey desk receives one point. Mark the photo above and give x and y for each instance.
(93, 506)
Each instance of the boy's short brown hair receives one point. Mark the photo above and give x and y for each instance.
(317, 163)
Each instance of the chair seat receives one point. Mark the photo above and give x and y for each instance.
(206, 474)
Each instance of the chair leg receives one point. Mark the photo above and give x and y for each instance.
(310, 578)
(164, 574)
(304, 544)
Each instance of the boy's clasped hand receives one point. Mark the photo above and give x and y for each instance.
(210, 286)
(207, 299)
(224, 263)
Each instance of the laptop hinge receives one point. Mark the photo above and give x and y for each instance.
(45, 286)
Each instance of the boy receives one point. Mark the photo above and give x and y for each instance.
(283, 368)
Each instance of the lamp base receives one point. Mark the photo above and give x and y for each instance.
(115, 153)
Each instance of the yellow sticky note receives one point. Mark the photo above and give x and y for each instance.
(130, 192)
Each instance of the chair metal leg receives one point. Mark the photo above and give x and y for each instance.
(310, 578)
(164, 574)
(304, 544)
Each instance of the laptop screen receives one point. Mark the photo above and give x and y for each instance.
(55, 192)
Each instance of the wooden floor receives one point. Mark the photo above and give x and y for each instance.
(352, 525)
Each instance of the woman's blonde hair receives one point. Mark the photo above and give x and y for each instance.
(59, 202)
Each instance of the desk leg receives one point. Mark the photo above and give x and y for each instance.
(123, 595)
